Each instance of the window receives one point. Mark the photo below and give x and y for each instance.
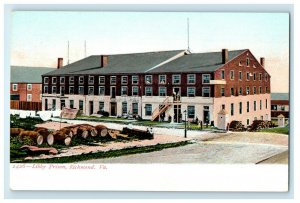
(54, 80)
(247, 90)
(53, 89)
(266, 77)
(124, 90)
(191, 91)
(248, 76)
(254, 66)
(124, 80)
(282, 108)
(135, 90)
(191, 78)
(241, 91)
(205, 78)
(62, 90)
(80, 104)
(232, 75)
(135, 80)
(71, 79)
(240, 75)
(223, 107)
(46, 89)
(62, 80)
(254, 90)
(205, 91)
(260, 104)
(46, 80)
(91, 80)
(191, 112)
(162, 79)
(260, 76)
(248, 121)
(148, 109)
(53, 104)
(80, 90)
(135, 108)
(124, 107)
(91, 90)
(101, 90)
(72, 104)
(232, 109)
(232, 91)
(248, 106)
(101, 106)
(81, 79)
(148, 79)
(240, 63)
(254, 76)
(222, 91)
(148, 91)
(266, 104)
(162, 91)
(101, 79)
(71, 89)
(15, 87)
(260, 90)
(274, 107)
(112, 80)
(223, 74)
(247, 62)
(241, 107)
(267, 90)
(176, 79)
(29, 86)
(254, 105)
(29, 97)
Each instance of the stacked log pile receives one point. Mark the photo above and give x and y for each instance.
(236, 126)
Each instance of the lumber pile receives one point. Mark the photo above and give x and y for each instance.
(137, 133)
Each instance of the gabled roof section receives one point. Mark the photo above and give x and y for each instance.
(280, 96)
(132, 63)
(25, 74)
(81, 65)
(197, 62)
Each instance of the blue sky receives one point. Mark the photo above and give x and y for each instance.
(39, 38)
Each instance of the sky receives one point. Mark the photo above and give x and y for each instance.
(38, 38)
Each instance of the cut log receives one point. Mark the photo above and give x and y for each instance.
(33, 150)
(15, 131)
(39, 140)
(34, 136)
(102, 130)
(113, 133)
(44, 132)
(60, 137)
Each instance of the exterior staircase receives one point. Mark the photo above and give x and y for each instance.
(161, 108)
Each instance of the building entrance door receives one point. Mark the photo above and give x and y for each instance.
(113, 108)
(177, 114)
(206, 114)
(91, 105)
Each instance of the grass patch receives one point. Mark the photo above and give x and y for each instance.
(282, 130)
(108, 154)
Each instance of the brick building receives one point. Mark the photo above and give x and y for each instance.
(280, 104)
(163, 85)
(26, 86)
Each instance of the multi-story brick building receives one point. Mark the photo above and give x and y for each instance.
(164, 85)
(280, 104)
(26, 86)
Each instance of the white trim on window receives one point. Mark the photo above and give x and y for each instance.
(123, 82)
(62, 80)
(15, 87)
(173, 78)
(91, 80)
(29, 97)
(113, 80)
(79, 92)
(46, 80)
(122, 88)
(71, 80)
(162, 81)
(101, 78)
(148, 82)
(101, 88)
(81, 80)
(135, 78)
(194, 78)
(89, 90)
(70, 89)
(137, 92)
(29, 87)
(54, 78)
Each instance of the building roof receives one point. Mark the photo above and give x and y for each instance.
(120, 63)
(198, 62)
(25, 74)
(149, 62)
(279, 96)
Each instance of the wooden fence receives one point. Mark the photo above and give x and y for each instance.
(25, 105)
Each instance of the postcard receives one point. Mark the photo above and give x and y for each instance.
(149, 101)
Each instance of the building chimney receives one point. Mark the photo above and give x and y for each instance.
(224, 56)
(262, 61)
(59, 63)
(104, 60)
